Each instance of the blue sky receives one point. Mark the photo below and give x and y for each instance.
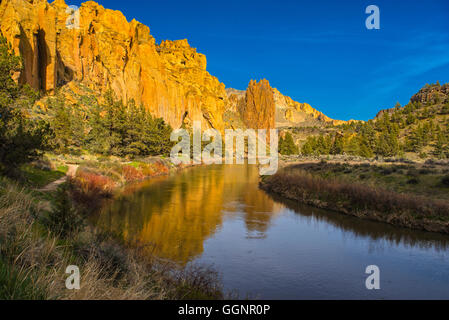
(318, 52)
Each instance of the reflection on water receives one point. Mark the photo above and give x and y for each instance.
(177, 214)
(217, 214)
(355, 227)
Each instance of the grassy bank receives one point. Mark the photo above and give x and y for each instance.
(413, 196)
(96, 180)
(41, 234)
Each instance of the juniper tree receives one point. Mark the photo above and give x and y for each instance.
(21, 138)
(287, 146)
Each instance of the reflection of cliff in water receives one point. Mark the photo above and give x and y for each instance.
(176, 214)
(369, 229)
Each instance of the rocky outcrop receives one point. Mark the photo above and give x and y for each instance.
(258, 110)
(104, 52)
(235, 98)
(432, 94)
(287, 112)
(290, 113)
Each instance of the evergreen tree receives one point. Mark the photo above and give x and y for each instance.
(128, 130)
(338, 145)
(388, 145)
(441, 149)
(445, 109)
(21, 139)
(411, 119)
(364, 148)
(287, 146)
(60, 124)
(308, 147)
(352, 145)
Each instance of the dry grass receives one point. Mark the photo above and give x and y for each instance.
(132, 174)
(89, 189)
(95, 181)
(359, 199)
(33, 261)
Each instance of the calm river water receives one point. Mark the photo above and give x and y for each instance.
(268, 248)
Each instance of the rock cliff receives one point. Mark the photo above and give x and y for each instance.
(105, 51)
(258, 109)
(99, 49)
(432, 94)
(255, 106)
(290, 113)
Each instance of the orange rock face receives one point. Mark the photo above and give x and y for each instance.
(258, 111)
(290, 113)
(104, 51)
(107, 52)
(255, 107)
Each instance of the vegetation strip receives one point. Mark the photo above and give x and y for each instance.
(362, 200)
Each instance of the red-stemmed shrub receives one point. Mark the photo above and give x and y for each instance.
(132, 174)
(90, 188)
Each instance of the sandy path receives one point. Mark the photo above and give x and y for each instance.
(55, 184)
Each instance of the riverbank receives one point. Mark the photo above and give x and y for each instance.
(43, 231)
(407, 195)
(97, 180)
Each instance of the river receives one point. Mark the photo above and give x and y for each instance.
(268, 248)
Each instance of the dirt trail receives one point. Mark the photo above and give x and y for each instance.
(55, 184)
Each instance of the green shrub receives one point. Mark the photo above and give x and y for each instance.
(445, 181)
(425, 171)
(423, 155)
(63, 219)
(287, 146)
(17, 286)
(387, 171)
(413, 181)
(413, 173)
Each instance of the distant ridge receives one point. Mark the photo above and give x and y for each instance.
(287, 112)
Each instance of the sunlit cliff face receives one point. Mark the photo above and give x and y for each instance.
(105, 51)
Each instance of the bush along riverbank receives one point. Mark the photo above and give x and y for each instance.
(42, 233)
(398, 195)
(95, 181)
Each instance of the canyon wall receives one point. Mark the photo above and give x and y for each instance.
(258, 109)
(290, 113)
(104, 52)
(265, 106)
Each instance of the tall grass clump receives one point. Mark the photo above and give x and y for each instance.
(132, 174)
(35, 255)
(25, 256)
